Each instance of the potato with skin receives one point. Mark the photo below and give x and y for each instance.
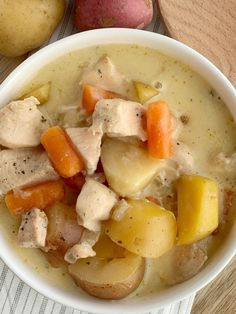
(112, 274)
(181, 263)
(145, 229)
(63, 231)
(55, 258)
(113, 13)
(108, 279)
(128, 167)
(25, 25)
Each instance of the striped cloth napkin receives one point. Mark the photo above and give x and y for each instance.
(15, 296)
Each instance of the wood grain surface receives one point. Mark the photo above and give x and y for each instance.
(219, 297)
(209, 26)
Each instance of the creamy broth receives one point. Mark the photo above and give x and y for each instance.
(209, 130)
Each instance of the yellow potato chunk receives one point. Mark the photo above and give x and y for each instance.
(197, 208)
(112, 274)
(106, 248)
(146, 229)
(144, 91)
(128, 167)
(42, 93)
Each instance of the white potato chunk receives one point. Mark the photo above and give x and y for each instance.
(128, 167)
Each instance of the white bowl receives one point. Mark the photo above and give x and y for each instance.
(26, 71)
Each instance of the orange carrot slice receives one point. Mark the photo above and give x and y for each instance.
(41, 196)
(65, 159)
(92, 94)
(159, 130)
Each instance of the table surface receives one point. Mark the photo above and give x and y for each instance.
(219, 296)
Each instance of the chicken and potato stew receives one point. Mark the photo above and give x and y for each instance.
(119, 175)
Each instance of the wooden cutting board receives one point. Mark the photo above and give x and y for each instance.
(209, 26)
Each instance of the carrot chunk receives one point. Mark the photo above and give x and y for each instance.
(92, 94)
(41, 196)
(159, 130)
(65, 159)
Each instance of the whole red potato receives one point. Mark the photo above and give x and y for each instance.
(90, 14)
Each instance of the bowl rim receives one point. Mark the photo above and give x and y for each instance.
(169, 47)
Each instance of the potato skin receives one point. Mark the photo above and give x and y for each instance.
(62, 233)
(63, 230)
(117, 291)
(55, 258)
(181, 263)
(113, 13)
(112, 291)
(25, 25)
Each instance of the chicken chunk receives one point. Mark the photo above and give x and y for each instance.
(94, 204)
(84, 248)
(105, 74)
(21, 124)
(22, 167)
(88, 144)
(181, 263)
(118, 117)
(33, 229)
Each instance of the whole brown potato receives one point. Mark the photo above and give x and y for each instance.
(113, 13)
(25, 24)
